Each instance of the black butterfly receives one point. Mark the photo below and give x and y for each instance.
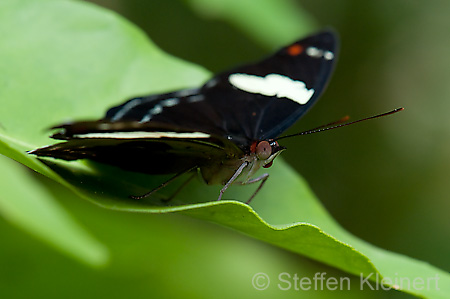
(227, 128)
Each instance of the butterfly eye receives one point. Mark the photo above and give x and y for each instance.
(263, 150)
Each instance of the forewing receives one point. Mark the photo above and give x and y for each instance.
(253, 102)
(269, 96)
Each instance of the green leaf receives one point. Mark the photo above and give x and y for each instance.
(30, 206)
(77, 60)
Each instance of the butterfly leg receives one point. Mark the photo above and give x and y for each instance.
(233, 178)
(263, 178)
(163, 184)
(179, 189)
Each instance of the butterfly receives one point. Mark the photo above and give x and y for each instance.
(226, 129)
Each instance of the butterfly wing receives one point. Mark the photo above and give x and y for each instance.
(253, 102)
(271, 95)
(143, 147)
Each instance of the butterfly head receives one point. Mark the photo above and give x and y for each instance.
(266, 151)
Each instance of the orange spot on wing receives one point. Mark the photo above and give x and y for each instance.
(295, 50)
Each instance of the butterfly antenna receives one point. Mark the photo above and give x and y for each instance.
(339, 121)
(333, 125)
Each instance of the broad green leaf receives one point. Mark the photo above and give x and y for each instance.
(77, 60)
(30, 206)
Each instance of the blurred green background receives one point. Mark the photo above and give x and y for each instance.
(385, 181)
